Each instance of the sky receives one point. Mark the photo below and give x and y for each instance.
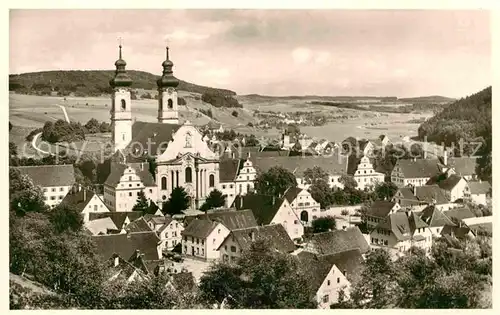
(270, 52)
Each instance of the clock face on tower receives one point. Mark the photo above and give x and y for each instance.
(170, 90)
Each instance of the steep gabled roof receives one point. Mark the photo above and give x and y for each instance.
(78, 199)
(337, 241)
(228, 170)
(419, 168)
(142, 170)
(232, 219)
(399, 224)
(263, 207)
(139, 225)
(200, 228)
(115, 174)
(477, 188)
(424, 194)
(49, 175)
(459, 232)
(158, 133)
(463, 166)
(101, 226)
(447, 183)
(380, 208)
(118, 217)
(435, 217)
(416, 222)
(459, 213)
(292, 193)
(125, 245)
(275, 234)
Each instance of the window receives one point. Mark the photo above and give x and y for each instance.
(203, 251)
(130, 178)
(150, 191)
(95, 207)
(129, 185)
(164, 183)
(225, 247)
(223, 186)
(197, 251)
(53, 190)
(211, 180)
(386, 242)
(296, 222)
(197, 241)
(45, 190)
(218, 231)
(231, 186)
(328, 282)
(61, 189)
(233, 249)
(188, 174)
(52, 197)
(138, 193)
(185, 238)
(130, 194)
(202, 242)
(170, 103)
(248, 177)
(338, 280)
(326, 298)
(213, 241)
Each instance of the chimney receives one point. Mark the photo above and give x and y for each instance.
(252, 236)
(445, 157)
(84, 194)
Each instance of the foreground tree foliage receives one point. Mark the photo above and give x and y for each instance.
(385, 190)
(275, 181)
(261, 279)
(178, 201)
(24, 196)
(214, 200)
(141, 204)
(323, 224)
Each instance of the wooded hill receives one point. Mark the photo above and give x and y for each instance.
(91, 83)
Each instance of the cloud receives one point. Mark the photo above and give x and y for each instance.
(301, 55)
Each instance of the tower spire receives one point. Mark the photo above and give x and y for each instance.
(121, 77)
(167, 53)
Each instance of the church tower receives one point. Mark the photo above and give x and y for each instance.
(167, 95)
(121, 111)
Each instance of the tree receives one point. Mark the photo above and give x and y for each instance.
(24, 195)
(348, 181)
(92, 126)
(178, 201)
(322, 193)
(275, 181)
(142, 203)
(214, 200)
(385, 190)
(104, 127)
(323, 224)
(12, 149)
(260, 279)
(66, 218)
(311, 175)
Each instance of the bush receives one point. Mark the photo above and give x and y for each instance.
(207, 112)
(344, 212)
(234, 113)
(146, 96)
(30, 136)
(181, 101)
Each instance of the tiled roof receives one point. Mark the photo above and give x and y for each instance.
(416, 222)
(263, 207)
(298, 164)
(380, 208)
(424, 194)
(419, 168)
(228, 170)
(488, 226)
(477, 188)
(317, 267)
(447, 183)
(117, 217)
(49, 175)
(275, 234)
(101, 226)
(459, 213)
(457, 231)
(200, 228)
(115, 174)
(125, 245)
(139, 225)
(435, 217)
(165, 224)
(337, 241)
(399, 224)
(142, 170)
(158, 133)
(78, 199)
(232, 219)
(292, 193)
(463, 166)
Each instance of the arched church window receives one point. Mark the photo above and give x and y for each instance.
(164, 183)
(170, 103)
(211, 180)
(124, 104)
(188, 175)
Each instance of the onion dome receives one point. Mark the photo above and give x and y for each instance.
(121, 78)
(167, 79)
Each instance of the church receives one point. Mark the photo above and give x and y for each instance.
(183, 157)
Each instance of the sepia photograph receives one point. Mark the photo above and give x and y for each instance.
(250, 159)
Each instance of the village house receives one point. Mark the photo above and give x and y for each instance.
(85, 201)
(168, 230)
(271, 210)
(120, 219)
(55, 180)
(416, 172)
(378, 211)
(101, 227)
(202, 237)
(240, 240)
(454, 186)
(479, 191)
(462, 166)
(459, 213)
(417, 198)
(303, 204)
(402, 230)
(331, 275)
(435, 219)
(334, 242)
(335, 166)
(365, 175)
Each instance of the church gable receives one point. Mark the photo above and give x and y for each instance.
(187, 139)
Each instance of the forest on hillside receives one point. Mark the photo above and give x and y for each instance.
(467, 118)
(91, 83)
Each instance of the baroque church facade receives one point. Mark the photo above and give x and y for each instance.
(183, 157)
